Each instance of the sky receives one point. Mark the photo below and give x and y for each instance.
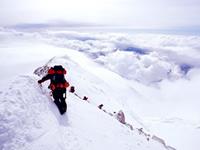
(129, 13)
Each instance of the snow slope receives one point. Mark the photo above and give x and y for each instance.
(30, 120)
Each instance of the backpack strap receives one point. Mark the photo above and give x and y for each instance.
(52, 71)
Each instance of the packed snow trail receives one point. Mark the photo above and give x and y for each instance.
(30, 120)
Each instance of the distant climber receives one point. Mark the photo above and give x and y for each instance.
(58, 85)
(120, 116)
(85, 98)
(100, 106)
(72, 90)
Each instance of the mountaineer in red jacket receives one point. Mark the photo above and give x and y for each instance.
(58, 85)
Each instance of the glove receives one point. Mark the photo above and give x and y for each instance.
(72, 89)
(39, 81)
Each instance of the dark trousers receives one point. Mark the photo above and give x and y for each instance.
(59, 96)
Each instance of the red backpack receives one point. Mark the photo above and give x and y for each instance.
(58, 77)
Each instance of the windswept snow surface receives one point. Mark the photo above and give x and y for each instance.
(30, 121)
(154, 79)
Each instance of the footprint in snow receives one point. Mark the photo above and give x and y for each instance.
(63, 120)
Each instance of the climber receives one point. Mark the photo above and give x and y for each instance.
(120, 116)
(58, 86)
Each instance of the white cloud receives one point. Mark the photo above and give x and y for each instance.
(147, 58)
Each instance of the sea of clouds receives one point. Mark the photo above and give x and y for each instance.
(147, 58)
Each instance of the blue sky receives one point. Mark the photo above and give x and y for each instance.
(152, 14)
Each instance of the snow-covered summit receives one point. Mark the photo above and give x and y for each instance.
(30, 119)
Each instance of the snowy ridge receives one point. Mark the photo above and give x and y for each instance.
(38, 127)
(30, 120)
